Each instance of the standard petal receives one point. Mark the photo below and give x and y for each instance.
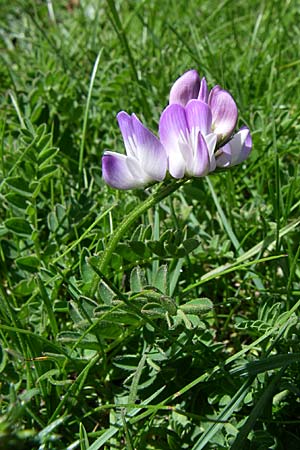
(185, 88)
(149, 151)
(201, 163)
(224, 112)
(240, 145)
(198, 116)
(173, 132)
(116, 173)
(125, 124)
(203, 91)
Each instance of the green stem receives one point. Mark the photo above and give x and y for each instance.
(162, 191)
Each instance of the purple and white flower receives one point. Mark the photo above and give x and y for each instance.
(196, 128)
(145, 160)
(196, 137)
(186, 134)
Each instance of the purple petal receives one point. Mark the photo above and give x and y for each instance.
(201, 162)
(149, 151)
(224, 156)
(203, 92)
(173, 132)
(185, 88)
(125, 124)
(198, 115)
(224, 112)
(116, 173)
(240, 145)
(236, 150)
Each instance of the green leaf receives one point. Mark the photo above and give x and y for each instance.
(71, 337)
(25, 287)
(47, 172)
(86, 271)
(154, 309)
(157, 247)
(16, 200)
(57, 219)
(168, 304)
(106, 294)
(137, 279)
(125, 251)
(19, 185)
(19, 226)
(197, 306)
(46, 155)
(161, 279)
(140, 248)
(29, 263)
(190, 244)
(84, 441)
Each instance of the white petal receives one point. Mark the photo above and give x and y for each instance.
(201, 163)
(211, 141)
(240, 146)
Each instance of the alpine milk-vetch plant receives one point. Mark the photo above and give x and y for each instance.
(195, 139)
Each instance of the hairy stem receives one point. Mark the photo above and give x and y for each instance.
(162, 191)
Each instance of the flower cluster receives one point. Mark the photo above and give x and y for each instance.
(195, 138)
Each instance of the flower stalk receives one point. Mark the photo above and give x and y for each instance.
(162, 191)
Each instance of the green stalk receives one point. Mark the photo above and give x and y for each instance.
(162, 191)
(87, 107)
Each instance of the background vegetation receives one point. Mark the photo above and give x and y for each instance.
(192, 338)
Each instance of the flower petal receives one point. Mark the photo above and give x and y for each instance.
(149, 151)
(201, 162)
(185, 88)
(224, 156)
(117, 174)
(240, 145)
(125, 124)
(211, 141)
(236, 150)
(224, 112)
(203, 91)
(198, 116)
(173, 132)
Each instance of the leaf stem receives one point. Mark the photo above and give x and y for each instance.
(162, 191)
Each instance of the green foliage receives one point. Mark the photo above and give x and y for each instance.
(191, 340)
